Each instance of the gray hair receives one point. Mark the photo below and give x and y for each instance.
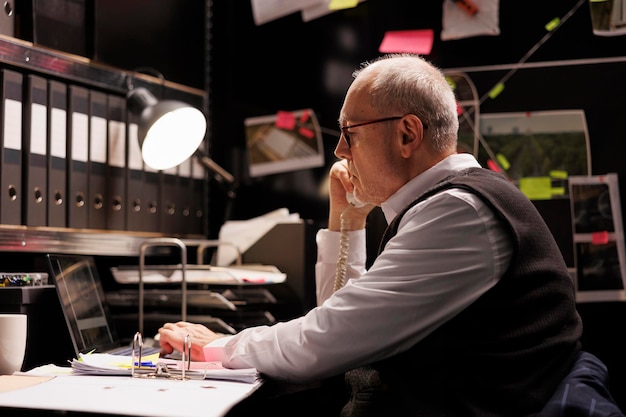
(410, 84)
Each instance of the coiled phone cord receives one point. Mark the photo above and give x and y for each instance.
(342, 261)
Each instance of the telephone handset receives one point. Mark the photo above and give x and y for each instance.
(352, 200)
(342, 260)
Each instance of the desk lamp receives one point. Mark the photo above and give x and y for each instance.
(169, 131)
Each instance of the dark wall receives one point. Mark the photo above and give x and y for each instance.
(287, 64)
(166, 35)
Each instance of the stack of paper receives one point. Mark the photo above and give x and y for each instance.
(200, 274)
(107, 364)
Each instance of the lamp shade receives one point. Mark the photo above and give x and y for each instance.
(169, 131)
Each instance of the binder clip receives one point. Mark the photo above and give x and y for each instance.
(161, 370)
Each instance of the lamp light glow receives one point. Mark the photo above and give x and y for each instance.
(169, 131)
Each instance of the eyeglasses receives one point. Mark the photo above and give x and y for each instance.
(346, 134)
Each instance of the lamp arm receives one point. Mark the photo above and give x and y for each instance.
(212, 166)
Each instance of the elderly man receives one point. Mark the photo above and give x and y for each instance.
(468, 309)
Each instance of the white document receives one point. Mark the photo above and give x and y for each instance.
(123, 395)
(202, 274)
(459, 24)
(264, 11)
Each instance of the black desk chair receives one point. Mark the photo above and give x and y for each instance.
(583, 392)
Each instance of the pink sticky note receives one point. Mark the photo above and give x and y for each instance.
(285, 120)
(213, 354)
(411, 41)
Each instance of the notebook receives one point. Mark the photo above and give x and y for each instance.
(84, 306)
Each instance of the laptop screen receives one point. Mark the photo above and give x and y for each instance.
(82, 299)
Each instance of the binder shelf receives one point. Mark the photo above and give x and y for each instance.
(73, 241)
(72, 179)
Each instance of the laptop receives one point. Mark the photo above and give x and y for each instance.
(84, 306)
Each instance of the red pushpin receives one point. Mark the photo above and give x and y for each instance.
(468, 6)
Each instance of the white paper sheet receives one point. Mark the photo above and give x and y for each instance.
(131, 396)
(458, 24)
(264, 11)
(205, 274)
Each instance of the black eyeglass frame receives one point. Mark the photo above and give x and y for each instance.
(346, 134)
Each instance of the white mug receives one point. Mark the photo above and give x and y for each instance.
(13, 329)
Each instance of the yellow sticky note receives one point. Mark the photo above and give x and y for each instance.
(451, 83)
(558, 174)
(536, 188)
(342, 4)
(552, 24)
(558, 191)
(495, 91)
(504, 163)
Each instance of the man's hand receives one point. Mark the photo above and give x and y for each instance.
(172, 337)
(338, 185)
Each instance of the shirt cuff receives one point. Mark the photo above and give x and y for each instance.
(214, 351)
(328, 243)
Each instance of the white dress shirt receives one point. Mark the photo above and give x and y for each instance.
(449, 249)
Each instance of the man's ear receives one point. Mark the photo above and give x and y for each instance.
(412, 135)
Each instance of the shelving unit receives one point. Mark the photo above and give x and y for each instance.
(42, 240)
(27, 58)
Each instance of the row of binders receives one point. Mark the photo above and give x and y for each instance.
(70, 158)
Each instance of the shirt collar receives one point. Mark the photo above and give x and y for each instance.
(424, 181)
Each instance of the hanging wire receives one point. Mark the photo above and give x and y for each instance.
(534, 49)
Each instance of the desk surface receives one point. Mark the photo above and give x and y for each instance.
(114, 395)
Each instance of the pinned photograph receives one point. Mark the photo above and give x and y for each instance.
(285, 141)
(598, 238)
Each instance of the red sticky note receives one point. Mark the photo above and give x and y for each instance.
(600, 238)
(459, 109)
(307, 133)
(285, 120)
(412, 41)
(493, 166)
(305, 116)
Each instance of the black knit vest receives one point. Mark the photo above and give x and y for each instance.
(505, 354)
